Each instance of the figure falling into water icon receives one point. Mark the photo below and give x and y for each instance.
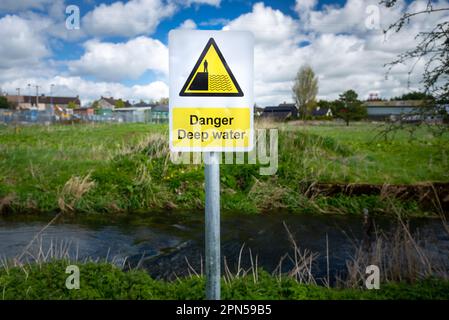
(205, 66)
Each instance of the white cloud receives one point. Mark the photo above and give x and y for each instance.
(51, 24)
(188, 24)
(18, 5)
(270, 27)
(356, 16)
(303, 7)
(135, 17)
(58, 29)
(215, 3)
(91, 90)
(152, 91)
(215, 22)
(128, 19)
(120, 61)
(275, 53)
(341, 46)
(21, 44)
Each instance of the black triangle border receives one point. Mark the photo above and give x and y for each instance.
(239, 92)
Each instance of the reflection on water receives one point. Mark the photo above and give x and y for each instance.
(162, 242)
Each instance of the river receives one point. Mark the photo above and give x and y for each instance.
(162, 243)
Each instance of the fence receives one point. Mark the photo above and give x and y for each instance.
(48, 117)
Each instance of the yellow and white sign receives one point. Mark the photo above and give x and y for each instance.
(211, 91)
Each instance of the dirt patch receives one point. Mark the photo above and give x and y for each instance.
(429, 195)
(6, 202)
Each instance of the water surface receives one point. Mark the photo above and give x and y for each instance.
(162, 243)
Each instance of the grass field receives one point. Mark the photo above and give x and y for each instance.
(371, 159)
(126, 167)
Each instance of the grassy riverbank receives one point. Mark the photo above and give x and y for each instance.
(126, 168)
(104, 281)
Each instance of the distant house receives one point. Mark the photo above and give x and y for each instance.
(282, 112)
(17, 102)
(159, 114)
(134, 114)
(148, 113)
(144, 105)
(389, 110)
(111, 103)
(258, 111)
(43, 102)
(322, 112)
(84, 112)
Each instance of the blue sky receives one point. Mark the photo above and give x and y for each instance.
(121, 47)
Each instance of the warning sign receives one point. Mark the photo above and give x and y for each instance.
(214, 127)
(211, 91)
(211, 75)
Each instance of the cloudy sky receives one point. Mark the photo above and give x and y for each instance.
(121, 47)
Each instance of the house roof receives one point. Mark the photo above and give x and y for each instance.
(43, 99)
(394, 104)
(144, 105)
(287, 105)
(280, 108)
(113, 101)
(132, 109)
(320, 112)
(161, 108)
(282, 111)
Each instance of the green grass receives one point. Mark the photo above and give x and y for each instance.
(371, 159)
(125, 167)
(104, 281)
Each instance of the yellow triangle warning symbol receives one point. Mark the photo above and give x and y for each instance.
(211, 76)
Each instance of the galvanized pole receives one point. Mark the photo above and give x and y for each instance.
(212, 177)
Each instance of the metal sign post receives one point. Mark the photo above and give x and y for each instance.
(212, 176)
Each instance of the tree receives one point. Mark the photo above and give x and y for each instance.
(72, 105)
(119, 103)
(432, 46)
(163, 101)
(324, 104)
(305, 90)
(4, 104)
(414, 95)
(349, 108)
(95, 104)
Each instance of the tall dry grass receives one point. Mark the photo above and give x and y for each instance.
(73, 191)
(400, 256)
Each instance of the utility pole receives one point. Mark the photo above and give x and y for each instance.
(51, 98)
(29, 93)
(37, 96)
(18, 96)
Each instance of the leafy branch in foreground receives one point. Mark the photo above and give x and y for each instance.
(433, 45)
(432, 48)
